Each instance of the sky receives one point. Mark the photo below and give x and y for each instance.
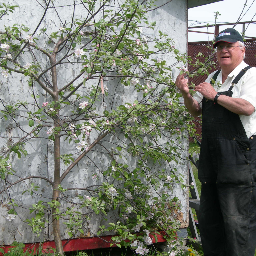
(229, 11)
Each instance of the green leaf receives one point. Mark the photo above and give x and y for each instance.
(31, 123)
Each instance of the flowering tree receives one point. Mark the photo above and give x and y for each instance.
(92, 122)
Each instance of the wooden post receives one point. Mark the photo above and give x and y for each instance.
(217, 30)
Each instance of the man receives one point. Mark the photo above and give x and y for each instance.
(227, 163)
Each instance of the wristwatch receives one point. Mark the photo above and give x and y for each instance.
(216, 97)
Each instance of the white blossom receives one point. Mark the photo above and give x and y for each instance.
(5, 73)
(105, 88)
(169, 178)
(148, 240)
(92, 122)
(50, 131)
(140, 29)
(8, 167)
(27, 66)
(71, 127)
(184, 69)
(129, 209)
(150, 87)
(112, 191)
(29, 38)
(147, 232)
(128, 195)
(140, 57)
(37, 120)
(5, 47)
(118, 52)
(86, 128)
(134, 81)
(134, 243)
(83, 104)
(146, 251)
(141, 250)
(10, 217)
(79, 52)
(74, 136)
(138, 41)
(81, 145)
(137, 227)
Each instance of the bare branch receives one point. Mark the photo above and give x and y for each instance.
(21, 50)
(83, 154)
(27, 178)
(87, 189)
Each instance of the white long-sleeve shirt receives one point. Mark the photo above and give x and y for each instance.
(244, 89)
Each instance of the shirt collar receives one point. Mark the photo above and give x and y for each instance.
(236, 71)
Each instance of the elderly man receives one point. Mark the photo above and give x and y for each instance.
(227, 163)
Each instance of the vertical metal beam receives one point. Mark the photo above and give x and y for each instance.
(243, 32)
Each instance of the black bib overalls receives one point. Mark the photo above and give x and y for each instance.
(227, 169)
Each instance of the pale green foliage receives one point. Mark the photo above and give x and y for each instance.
(6, 8)
(5, 167)
(38, 221)
(18, 249)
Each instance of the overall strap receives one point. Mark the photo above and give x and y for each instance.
(215, 76)
(242, 72)
(238, 77)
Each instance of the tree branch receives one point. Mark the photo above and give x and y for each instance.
(21, 50)
(27, 178)
(83, 154)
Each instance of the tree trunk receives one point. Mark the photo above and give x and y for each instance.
(56, 193)
(57, 181)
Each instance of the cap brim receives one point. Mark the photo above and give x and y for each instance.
(226, 40)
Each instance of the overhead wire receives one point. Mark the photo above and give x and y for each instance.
(239, 18)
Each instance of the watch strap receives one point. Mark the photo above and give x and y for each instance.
(216, 97)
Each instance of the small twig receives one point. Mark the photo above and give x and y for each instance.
(27, 178)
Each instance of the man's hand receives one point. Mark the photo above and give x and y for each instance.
(190, 103)
(182, 84)
(206, 90)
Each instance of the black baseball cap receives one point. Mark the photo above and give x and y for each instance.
(228, 35)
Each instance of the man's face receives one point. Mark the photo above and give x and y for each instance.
(229, 55)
